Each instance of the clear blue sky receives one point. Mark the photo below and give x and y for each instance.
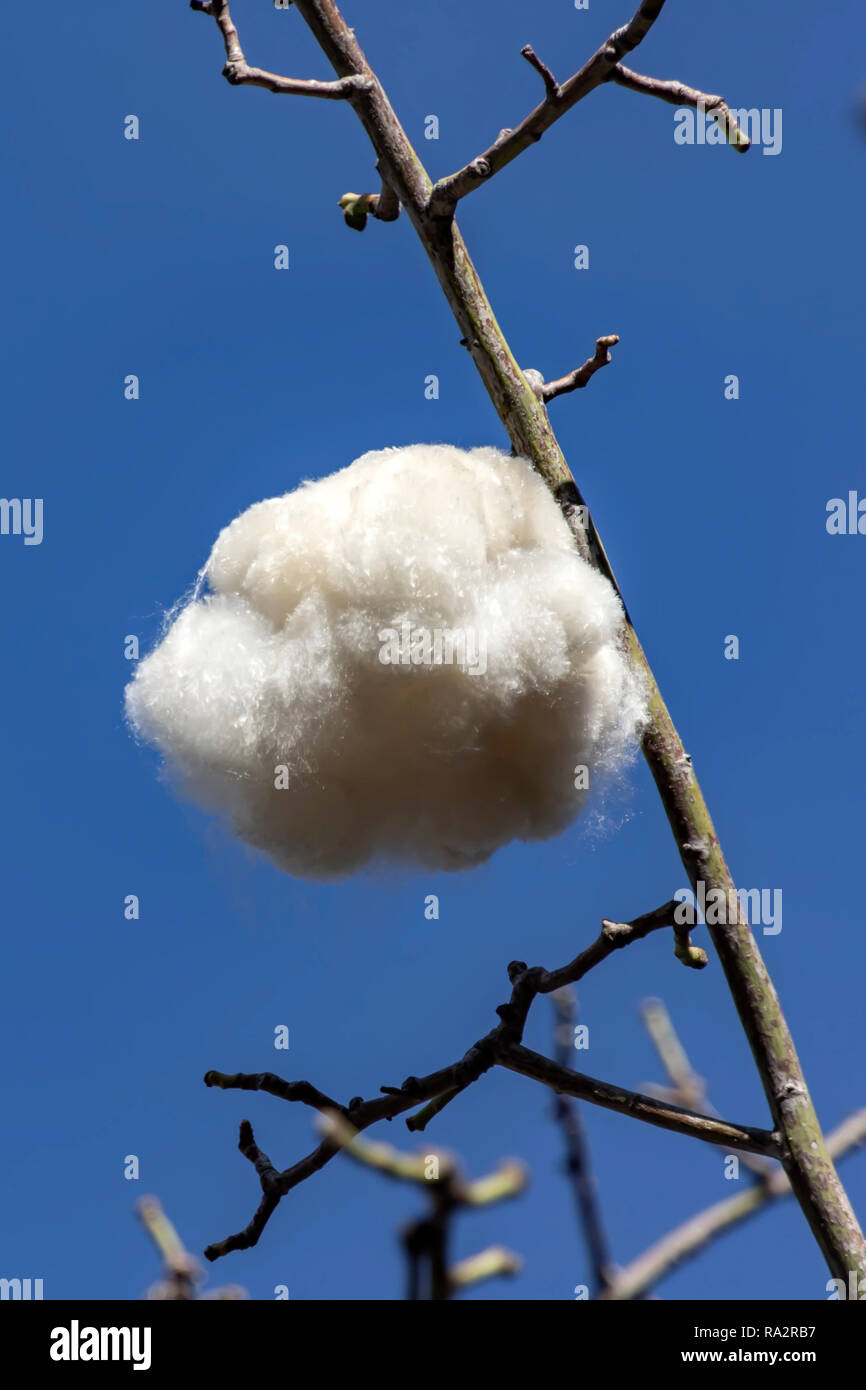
(155, 257)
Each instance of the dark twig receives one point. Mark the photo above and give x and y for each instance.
(300, 1091)
(499, 1047)
(419, 1122)
(654, 1112)
(578, 1163)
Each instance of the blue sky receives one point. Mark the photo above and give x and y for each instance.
(155, 257)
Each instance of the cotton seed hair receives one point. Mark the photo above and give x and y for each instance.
(406, 660)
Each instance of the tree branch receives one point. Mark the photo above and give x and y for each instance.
(612, 937)
(687, 1088)
(501, 1046)
(238, 72)
(510, 143)
(813, 1178)
(678, 94)
(275, 1085)
(578, 1162)
(688, 1240)
(487, 1264)
(653, 1112)
(547, 390)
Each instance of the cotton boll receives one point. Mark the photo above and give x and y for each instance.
(417, 641)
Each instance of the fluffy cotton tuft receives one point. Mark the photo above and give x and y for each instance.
(406, 659)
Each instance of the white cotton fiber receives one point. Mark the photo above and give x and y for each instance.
(406, 659)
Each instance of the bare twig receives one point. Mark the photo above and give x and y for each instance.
(678, 94)
(487, 1264)
(528, 983)
(547, 390)
(559, 99)
(653, 1112)
(426, 1240)
(300, 1091)
(499, 1047)
(578, 1163)
(612, 937)
(687, 1088)
(238, 72)
(422, 1119)
(552, 87)
(182, 1272)
(688, 1240)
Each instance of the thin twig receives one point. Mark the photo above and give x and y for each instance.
(426, 1240)
(552, 87)
(581, 375)
(678, 94)
(559, 99)
(498, 1047)
(275, 1085)
(653, 1112)
(578, 1162)
(182, 1273)
(238, 72)
(688, 1240)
